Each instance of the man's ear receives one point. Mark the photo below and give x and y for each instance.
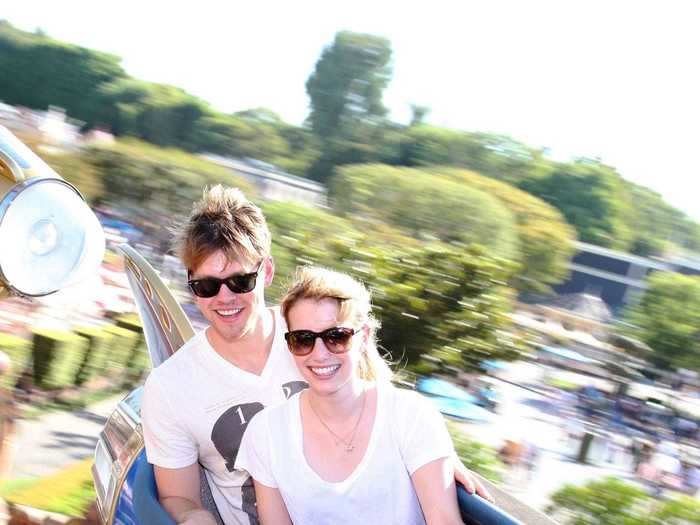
(269, 270)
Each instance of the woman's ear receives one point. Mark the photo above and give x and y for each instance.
(365, 337)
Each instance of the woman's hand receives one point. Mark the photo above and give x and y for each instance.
(470, 481)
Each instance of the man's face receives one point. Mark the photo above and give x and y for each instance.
(232, 316)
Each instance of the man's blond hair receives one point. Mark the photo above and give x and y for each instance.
(224, 219)
(354, 307)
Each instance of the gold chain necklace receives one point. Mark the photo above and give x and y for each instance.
(349, 447)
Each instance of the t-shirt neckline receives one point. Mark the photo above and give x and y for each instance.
(272, 358)
(362, 465)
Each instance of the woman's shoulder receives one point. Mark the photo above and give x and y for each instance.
(404, 400)
(282, 413)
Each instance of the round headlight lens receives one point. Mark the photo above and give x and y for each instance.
(49, 237)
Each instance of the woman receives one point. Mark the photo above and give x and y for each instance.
(351, 448)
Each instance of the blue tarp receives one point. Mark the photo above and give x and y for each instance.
(566, 353)
(452, 400)
(440, 387)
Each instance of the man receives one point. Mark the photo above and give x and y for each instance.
(198, 403)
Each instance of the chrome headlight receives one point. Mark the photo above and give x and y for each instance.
(49, 237)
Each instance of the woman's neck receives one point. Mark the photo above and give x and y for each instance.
(342, 403)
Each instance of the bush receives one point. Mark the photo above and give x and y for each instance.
(477, 457)
(139, 359)
(17, 349)
(99, 342)
(121, 350)
(613, 502)
(57, 355)
(69, 491)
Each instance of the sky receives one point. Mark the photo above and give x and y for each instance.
(616, 80)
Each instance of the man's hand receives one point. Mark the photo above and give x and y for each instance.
(197, 517)
(469, 480)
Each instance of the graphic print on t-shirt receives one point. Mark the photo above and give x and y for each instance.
(229, 428)
(293, 387)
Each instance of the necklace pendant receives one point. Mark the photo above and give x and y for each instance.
(349, 448)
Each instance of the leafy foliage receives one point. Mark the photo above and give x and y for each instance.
(668, 319)
(425, 206)
(38, 71)
(613, 502)
(447, 300)
(476, 456)
(545, 239)
(589, 194)
(605, 502)
(347, 83)
(69, 491)
(156, 180)
(345, 92)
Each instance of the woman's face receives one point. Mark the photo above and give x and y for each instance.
(325, 371)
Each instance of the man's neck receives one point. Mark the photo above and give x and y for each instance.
(251, 351)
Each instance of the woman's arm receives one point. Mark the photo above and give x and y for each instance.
(435, 487)
(271, 507)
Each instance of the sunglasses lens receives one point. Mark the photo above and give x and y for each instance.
(336, 339)
(205, 287)
(242, 283)
(301, 342)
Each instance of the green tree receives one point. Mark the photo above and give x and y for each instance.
(38, 71)
(591, 196)
(345, 92)
(424, 206)
(613, 502)
(75, 168)
(603, 502)
(668, 319)
(657, 227)
(444, 301)
(348, 82)
(449, 301)
(155, 181)
(305, 235)
(476, 456)
(545, 239)
(158, 113)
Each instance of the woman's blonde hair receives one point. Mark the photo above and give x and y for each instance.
(354, 307)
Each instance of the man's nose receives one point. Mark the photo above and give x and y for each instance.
(224, 292)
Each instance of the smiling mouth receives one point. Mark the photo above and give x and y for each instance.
(324, 371)
(228, 313)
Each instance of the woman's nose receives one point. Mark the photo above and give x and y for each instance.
(320, 347)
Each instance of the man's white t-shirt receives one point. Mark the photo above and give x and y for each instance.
(197, 405)
(407, 434)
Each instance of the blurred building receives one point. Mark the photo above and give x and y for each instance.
(271, 182)
(52, 129)
(618, 278)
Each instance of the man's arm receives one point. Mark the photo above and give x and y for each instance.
(435, 487)
(271, 507)
(178, 492)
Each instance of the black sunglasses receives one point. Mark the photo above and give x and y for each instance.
(237, 283)
(336, 339)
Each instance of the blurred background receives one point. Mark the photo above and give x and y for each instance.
(515, 181)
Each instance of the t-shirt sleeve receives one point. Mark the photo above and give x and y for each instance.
(169, 444)
(421, 431)
(255, 455)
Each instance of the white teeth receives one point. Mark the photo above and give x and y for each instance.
(324, 371)
(227, 313)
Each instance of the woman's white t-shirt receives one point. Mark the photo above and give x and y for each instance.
(408, 433)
